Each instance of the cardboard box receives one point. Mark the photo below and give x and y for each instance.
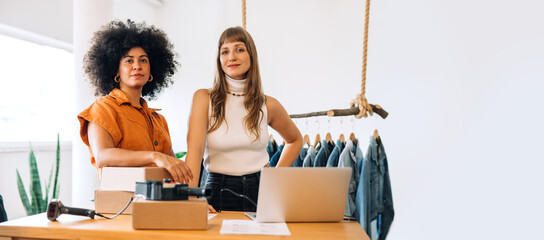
(125, 178)
(180, 214)
(112, 202)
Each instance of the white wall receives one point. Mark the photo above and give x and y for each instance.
(51, 18)
(462, 82)
(143, 10)
(194, 28)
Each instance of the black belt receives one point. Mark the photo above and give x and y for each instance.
(243, 177)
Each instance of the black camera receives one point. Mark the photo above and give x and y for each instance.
(165, 190)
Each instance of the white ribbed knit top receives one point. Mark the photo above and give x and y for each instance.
(230, 149)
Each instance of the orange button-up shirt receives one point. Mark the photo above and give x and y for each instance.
(130, 127)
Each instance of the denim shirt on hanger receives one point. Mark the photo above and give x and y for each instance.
(323, 154)
(310, 156)
(276, 157)
(335, 154)
(374, 196)
(271, 148)
(349, 158)
(300, 159)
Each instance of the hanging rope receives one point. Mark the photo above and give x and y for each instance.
(360, 99)
(244, 14)
(358, 106)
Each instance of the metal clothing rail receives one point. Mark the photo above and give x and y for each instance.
(342, 112)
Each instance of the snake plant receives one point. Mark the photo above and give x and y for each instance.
(38, 202)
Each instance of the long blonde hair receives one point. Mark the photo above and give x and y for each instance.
(254, 97)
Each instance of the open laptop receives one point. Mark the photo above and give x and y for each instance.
(293, 194)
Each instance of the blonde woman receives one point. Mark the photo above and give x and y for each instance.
(228, 126)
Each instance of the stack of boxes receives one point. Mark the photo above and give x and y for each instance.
(117, 186)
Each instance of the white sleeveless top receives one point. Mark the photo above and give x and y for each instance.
(231, 149)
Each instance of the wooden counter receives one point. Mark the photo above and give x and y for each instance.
(77, 227)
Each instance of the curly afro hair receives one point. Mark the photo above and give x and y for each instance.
(114, 40)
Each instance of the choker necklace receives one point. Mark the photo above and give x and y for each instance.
(235, 94)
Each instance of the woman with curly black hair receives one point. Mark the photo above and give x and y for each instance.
(126, 62)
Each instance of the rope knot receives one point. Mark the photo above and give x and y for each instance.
(364, 107)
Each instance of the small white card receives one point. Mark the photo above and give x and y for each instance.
(211, 215)
(254, 228)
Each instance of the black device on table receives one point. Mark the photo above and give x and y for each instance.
(56, 208)
(166, 190)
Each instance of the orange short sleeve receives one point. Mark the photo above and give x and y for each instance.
(103, 114)
(134, 128)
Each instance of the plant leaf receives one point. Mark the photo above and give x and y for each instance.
(56, 193)
(46, 198)
(35, 183)
(22, 194)
(48, 188)
(180, 154)
(56, 187)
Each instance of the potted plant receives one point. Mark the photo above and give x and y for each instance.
(38, 202)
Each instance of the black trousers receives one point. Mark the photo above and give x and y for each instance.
(221, 199)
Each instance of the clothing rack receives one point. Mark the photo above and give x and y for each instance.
(342, 112)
